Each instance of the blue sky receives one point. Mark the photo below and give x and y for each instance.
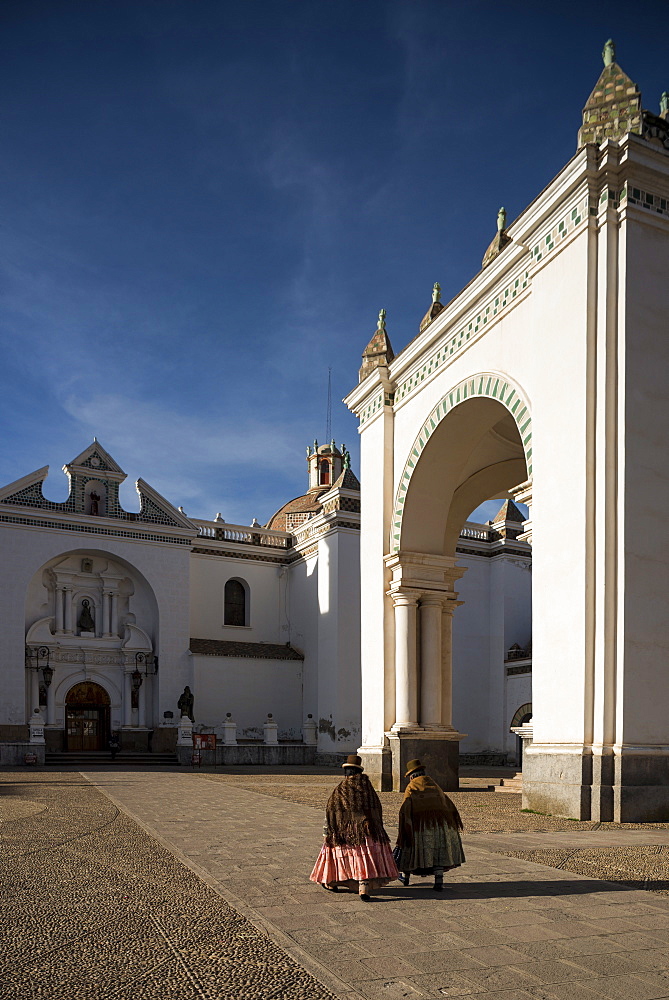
(205, 204)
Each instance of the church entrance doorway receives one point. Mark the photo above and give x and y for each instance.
(86, 717)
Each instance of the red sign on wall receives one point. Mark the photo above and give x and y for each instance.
(204, 741)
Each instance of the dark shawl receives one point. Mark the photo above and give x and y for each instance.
(353, 813)
(425, 805)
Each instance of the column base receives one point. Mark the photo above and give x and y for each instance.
(378, 765)
(438, 750)
(620, 784)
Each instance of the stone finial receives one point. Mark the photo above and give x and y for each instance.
(346, 457)
(315, 445)
(664, 104)
(378, 351)
(500, 240)
(333, 446)
(435, 308)
(609, 52)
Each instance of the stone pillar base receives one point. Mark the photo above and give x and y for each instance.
(438, 750)
(378, 765)
(628, 785)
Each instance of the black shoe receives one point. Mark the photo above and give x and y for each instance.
(364, 897)
(330, 888)
(438, 886)
(404, 878)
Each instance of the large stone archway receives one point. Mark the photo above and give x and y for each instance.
(469, 450)
(568, 314)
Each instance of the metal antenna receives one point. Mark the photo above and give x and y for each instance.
(328, 425)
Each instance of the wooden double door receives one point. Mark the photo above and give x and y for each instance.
(87, 717)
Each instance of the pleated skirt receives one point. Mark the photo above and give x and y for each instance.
(432, 847)
(364, 863)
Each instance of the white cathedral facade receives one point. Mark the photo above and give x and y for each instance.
(116, 624)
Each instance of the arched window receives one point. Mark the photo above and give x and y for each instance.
(325, 473)
(235, 611)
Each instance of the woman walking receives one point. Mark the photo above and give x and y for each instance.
(356, 850)
(428, 838)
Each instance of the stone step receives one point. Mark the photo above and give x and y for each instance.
(514, 784)
(94, 758)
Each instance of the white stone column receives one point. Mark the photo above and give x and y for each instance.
(114, 613)
(59, 609)
(50, 703)
(69, 610)
(447, 663)
(430, 660)
(127, 699)
(141, 703)
(34, 691)
(106, 600)
(406, 679)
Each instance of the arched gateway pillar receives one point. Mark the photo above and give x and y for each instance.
(423, 601)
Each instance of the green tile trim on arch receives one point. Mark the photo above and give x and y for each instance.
(488, 384)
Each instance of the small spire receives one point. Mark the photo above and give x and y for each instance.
(436, 292)
(501, 220)
(664, 103)
(609, 52)
(381, 325)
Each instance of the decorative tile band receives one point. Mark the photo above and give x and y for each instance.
(491, 386)
(562, 229)
(492, 308)
(383, 399)
(652, 202)
(30, 522)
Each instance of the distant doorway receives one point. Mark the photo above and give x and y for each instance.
(86, 717)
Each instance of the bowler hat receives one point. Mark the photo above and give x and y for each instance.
(353, 761)
(413, 765)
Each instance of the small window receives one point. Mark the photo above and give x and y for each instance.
(235, 603)
(325, 473)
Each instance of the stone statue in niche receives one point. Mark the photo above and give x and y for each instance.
(86, 622)
(185, 703)
(95, 502)
(43, 697)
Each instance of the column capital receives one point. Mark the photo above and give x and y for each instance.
(450, 606)
(432, 600)
(406, 598)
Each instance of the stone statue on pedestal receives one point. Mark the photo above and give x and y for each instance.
(185, 703)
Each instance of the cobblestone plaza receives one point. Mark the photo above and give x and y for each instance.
(123, 883)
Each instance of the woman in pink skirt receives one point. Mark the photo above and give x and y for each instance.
(356, 850)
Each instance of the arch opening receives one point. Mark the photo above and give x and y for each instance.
(87, 707)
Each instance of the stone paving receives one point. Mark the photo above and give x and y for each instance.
(93, 907)
(507, 929)
(179, 884)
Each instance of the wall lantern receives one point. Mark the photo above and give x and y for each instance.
(43, 654)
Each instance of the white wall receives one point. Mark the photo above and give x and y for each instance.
(208, 576)
(249, 689)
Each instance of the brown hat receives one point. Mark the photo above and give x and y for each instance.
(413, 765)
(353, 761)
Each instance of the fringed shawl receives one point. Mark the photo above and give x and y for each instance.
(425, 805)
(353, 813)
